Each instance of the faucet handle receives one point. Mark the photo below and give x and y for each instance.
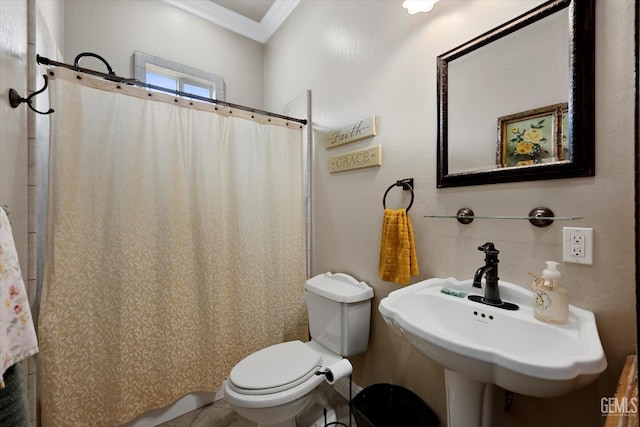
(489, 249)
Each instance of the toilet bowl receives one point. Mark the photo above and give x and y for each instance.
(275, 396)
(273, 385)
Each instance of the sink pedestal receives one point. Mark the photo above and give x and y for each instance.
(473, 403)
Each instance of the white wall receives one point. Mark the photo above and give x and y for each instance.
(51, 12)
(116, 29)
(362, 58)
(13, 128)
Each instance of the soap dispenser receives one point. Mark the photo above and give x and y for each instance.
(551, 300)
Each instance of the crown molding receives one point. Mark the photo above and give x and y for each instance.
(232, 21)
(276, 15)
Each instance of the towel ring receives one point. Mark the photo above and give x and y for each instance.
(406, 184)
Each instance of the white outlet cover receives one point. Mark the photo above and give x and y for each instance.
(567, 256)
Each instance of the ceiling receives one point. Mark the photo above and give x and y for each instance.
(252, 9)
(255, 19)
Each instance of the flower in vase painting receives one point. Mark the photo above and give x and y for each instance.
(525, 144)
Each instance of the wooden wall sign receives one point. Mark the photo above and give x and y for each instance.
(354, 132)
(358, 159)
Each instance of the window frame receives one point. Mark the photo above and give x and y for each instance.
(182, 74)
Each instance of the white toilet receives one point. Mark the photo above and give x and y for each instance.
(273, 385)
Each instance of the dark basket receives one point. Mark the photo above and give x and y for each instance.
(387, 405)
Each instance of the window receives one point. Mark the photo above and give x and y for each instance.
(174, 80)
(171, 75)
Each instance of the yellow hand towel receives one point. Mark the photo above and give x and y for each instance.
(397, 248)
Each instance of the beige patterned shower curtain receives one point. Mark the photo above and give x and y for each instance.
(175, 247)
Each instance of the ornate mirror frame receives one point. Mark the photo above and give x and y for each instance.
(581, 102)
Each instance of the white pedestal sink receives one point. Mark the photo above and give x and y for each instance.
(482, 346)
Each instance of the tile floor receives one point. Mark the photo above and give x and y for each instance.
(220, 413)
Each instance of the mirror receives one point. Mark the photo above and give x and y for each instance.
(518, 102)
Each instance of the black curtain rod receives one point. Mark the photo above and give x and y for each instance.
(111, 76)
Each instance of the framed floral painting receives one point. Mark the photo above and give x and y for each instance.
(531, 137)
(564, 131)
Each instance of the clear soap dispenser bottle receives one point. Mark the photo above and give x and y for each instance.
(551, 300)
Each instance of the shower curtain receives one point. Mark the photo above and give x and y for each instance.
(175, 247)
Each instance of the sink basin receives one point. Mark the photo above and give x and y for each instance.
(511, 349)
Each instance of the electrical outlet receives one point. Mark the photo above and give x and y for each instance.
(577, 245)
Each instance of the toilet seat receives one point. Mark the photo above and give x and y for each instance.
(274, 369)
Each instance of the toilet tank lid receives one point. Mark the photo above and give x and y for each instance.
(339, 287)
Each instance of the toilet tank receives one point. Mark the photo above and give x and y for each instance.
(339, 308)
